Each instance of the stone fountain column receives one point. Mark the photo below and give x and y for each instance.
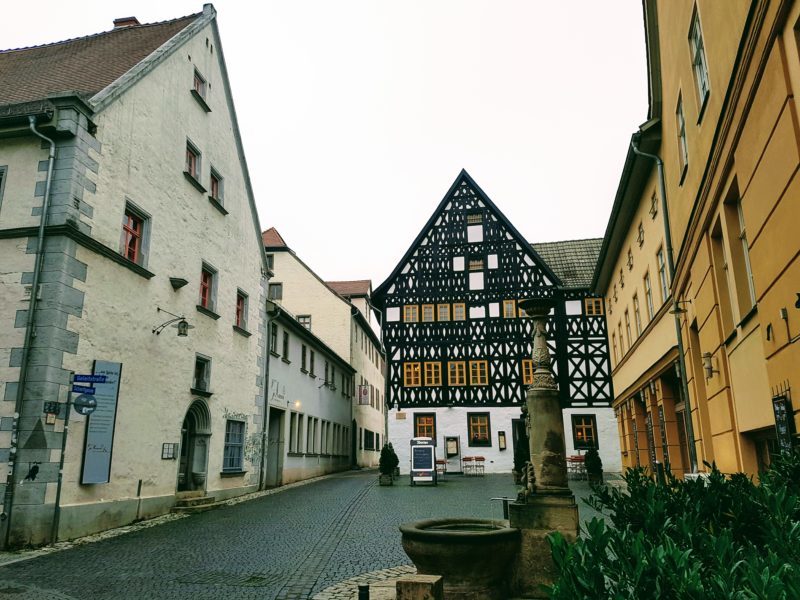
(547, 504)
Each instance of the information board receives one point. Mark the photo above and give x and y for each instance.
(422, 458)
(784, 422)
(100, 425)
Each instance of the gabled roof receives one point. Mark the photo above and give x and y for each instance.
(463, 176)
(360, 287)
(573, 261)
(84, 65)
(272, 239)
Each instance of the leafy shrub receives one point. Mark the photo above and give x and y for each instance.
(388, 460)
(592, 462)
(720, 538)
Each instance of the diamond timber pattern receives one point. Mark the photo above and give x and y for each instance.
(436, 270)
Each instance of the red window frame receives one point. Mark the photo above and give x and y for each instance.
(240, 310)
(214, 187)
(132, 228)
(191, 161)
(206, 281)
(199, 84)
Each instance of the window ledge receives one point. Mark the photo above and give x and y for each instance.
(684, 170)
(479, 444)
(703, 104)
(731, 336)
(200, 100)
(199, 392)
(232, 473)
(275, 354)
(191, 179)
(241, 331)
(286, 360)
(207, 311)
(750, 313)
(217, 204)
(302, 370)
(311, 454)
(312, 374)
(298, 454)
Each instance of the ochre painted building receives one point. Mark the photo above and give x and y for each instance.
(723, 117)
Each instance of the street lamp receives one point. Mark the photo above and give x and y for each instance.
(180, 323)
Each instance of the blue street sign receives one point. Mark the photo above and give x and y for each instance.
(89, 379)
(82, 389)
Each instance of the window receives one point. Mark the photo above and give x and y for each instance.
(234, 446)
(133, 234)
(456, 372)
(527, 371)
(640, 235)
(478, 428)
(443, 312)
(621, 342)
(305, 321)
(2, 183)
(273, 338)
(192, 167)
(215, 185)
(584, 432)
(271, 261)
(614, 345)
(629, 262)
(637, 317)
(411, 374)
(286, 345)
(304, 358)
(474, 218)
(662, 274)
(241, 309)
(699, 62)
(621, 279)
(410, 314)
(509, 309)
(427, 313)
(199, 84)
(739, 271)
(202, 373)
(275, 291)
(478, 372)
(683, 148)
(433, 373)
(653, 205)
(648, 295)
(208, 287)
(293, 431)
(628, 327)
(459, 312)
(425, 425)
(476, 264)
(311, 363)
(592, 307)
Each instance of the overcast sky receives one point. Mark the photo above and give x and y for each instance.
(358, 115)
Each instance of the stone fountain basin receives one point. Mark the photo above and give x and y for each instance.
(474, 556)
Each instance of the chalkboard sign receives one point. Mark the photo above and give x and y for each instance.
(784, 422)
(422, 458)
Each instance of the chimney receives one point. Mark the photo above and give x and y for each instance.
(125, 22)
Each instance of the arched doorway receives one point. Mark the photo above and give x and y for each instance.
(196, 429)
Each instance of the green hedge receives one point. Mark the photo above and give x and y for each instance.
(725, 537)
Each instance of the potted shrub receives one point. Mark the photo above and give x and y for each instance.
(594, 467)
(386, 465)
(395, 461)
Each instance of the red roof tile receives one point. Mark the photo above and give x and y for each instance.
(84, 65)
(272, 239)
(360, 287)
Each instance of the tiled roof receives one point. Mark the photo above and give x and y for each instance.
(273, 239)
(359, 287)
(573, 260)
(84, 65)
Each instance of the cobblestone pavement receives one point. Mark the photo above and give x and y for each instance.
(287, 545)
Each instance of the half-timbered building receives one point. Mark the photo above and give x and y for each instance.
(458, 346)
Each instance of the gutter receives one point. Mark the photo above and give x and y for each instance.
(8, 501)
(676, 310)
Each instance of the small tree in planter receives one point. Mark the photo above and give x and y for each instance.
(594, 466)
(387, 464)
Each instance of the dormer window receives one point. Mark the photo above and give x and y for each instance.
(474, 218)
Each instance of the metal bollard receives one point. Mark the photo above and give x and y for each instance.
(363, 591)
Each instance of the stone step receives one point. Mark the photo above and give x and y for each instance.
(196, 501)
(197, 508)
(190, 494)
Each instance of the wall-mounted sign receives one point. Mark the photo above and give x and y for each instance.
(400, 416)
(100, 425)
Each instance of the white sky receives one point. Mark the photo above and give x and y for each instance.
(358, 115)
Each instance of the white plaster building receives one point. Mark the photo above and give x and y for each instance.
(149, 218)
(338, 313)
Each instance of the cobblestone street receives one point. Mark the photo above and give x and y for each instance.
(290, 544)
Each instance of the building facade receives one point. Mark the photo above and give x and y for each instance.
(458, 347)
(99, 256)
(336, 319)
(723, 85)
(309, 400)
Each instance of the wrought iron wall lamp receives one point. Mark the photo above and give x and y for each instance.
(180, 323)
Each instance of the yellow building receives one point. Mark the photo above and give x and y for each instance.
(723, 118)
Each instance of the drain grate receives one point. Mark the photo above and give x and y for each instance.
(231, 579)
